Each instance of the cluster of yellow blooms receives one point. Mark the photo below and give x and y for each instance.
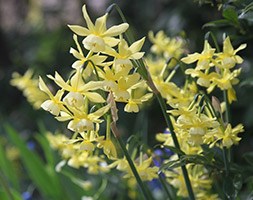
(103, 74)
(196, 123)
(223, 62)
(29, 86)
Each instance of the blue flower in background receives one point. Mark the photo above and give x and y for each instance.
(26, 195)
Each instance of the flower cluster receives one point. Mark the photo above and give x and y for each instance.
(29, 85)
(102, 75)
(198, 121)
(216, 69)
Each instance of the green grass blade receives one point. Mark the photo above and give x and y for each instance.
(35, 167)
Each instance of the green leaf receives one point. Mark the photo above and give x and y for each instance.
(8, 169)
(231, 15)
(15, 195)
(174, 150)
(249, 157)
(35, 167)
(196, 159)
(217, 23)
(173, 164)
(228, 188)
(46, 149)
(247, 82)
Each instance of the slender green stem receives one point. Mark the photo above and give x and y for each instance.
(228, 115)
(110, 8)
(6, 187)
(225, 158)
(101, 189)
(147, 194)
(165, 186)
(176, 143)
(215, 41)
(228, 120)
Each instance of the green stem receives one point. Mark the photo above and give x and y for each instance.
(214, 40)
(164, 186)
(176, 143)
(225, 158)
(6, 187)
(142, 186)
(110, 8)
(228, 120)
(228, 115)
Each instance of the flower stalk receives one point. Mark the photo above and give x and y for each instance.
(142, 70)
(142, 186)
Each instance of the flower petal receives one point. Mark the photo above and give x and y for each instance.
(79, 30)
(116, 30)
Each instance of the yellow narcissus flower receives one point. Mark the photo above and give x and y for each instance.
(109, 148)
(227, 137)
(225, 81)
(126, 53)
(96, 58)
(166, 46)
(228, 58)
(77, 88)
(21, 82)
(93, 163)
(155, 66)
(195, 126)
(81, 121)
(200, 181)
(30, 88)
(204, 79)
(53, 105)
(204, 58)
(133, 104)
(97, 36)
(121, 92)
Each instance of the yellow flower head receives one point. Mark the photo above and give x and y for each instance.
(97, 36)
(204, 58)
(228, 58)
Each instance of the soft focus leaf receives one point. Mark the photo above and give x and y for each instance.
(231, 15)
(35, 167)
(249, 157)
(228, 188)
(8, 169)
(217, 23)
(174, 150)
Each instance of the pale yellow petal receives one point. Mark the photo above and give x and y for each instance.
(43, 87)
(77, 64)
(100, 24)
(137, 55)
(227, 46)
(79, 30)
(116, 30)
(94, 97)
(191, 58)
(136, 46)
(111, 41)
(75, 53)
(101, 111)
(60, 82)
(241, 47)
(92, 85)
(87, 19)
